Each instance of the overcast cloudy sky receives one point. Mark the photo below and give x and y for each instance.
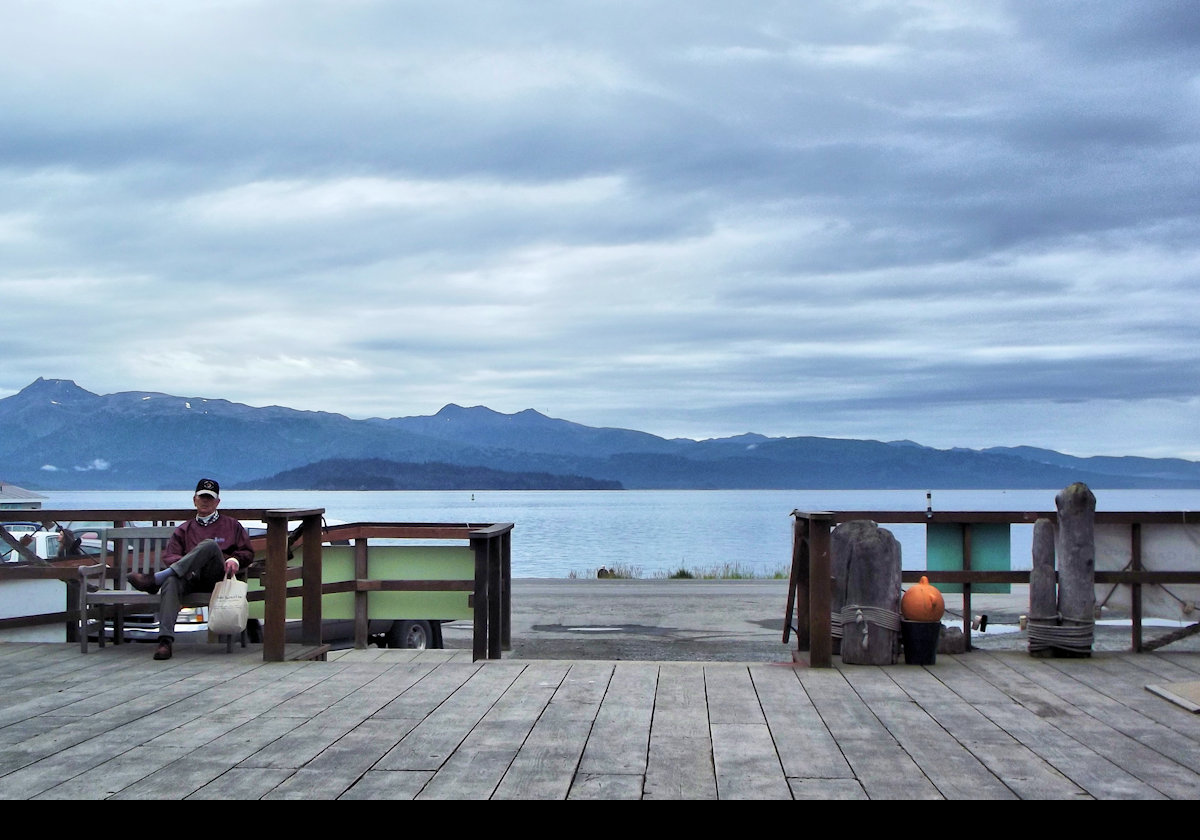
(962, 223)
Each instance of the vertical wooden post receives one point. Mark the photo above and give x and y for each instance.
(1135, 594)
(506, 593)
(275, 584)
(310, 622)
(495, 589)
(362, 627)
(75, 607)
(797, 605)
(966, 587)
(820, 651)
(481, 599)
(120, 553)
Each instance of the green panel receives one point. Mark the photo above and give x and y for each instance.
(991, 550)
(421, 562)
(389, 562)
(447, 605)
(434, 562)
(337, 564)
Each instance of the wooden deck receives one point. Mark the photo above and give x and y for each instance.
(434, 725)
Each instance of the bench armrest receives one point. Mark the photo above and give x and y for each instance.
(87, 573)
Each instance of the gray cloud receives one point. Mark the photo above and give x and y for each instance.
(965, 224)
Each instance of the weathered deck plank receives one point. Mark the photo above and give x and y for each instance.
(880, 764)
(432, 741)
(1126, 682)
(389, 784)
(114, 724)
(745, 760)
(478, 765)
(746, 764)
(1142, 748)
(620, 738)
(207, 761)
(1014, 764)
(546, 764)
(805, 746)
(679, 764)
(954, 770)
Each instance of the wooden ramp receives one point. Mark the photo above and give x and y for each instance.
(434, 725)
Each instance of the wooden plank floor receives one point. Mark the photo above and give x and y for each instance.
(433, 725)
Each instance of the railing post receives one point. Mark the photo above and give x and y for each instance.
(481, 600)
(310, 623)
(362, 625)
(506, 595)
(275, 584)
(495, 591)
(820, 594)
(798, 596)
(966, 587)
(1135, 590)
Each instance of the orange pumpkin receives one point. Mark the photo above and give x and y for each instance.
(922, 602)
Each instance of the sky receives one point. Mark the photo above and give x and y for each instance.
(966, 224)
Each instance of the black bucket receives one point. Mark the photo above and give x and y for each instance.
(920, 640)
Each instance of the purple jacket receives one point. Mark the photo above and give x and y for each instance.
(227, 531)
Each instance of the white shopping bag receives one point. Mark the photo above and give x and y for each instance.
(228, 607)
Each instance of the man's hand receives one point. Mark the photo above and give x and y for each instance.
(231, 566)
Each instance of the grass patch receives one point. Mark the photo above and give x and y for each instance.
(726, 571)
(619, 571)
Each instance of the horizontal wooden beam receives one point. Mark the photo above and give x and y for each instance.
(1012, 517)
(1018, 576)
(960, 576)
(38, 620)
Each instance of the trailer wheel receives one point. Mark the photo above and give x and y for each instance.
(414, 635)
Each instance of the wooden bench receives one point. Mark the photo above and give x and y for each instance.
(134, 550)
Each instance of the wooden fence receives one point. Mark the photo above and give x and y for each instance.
(486, 592)
(811, 562)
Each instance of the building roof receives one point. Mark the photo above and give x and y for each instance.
(12, 496)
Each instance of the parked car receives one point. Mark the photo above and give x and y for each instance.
(413, 634)
(47, 544)
(425, 634)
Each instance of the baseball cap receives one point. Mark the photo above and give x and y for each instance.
(208, 487)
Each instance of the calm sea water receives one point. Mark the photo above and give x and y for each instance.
(651, 531)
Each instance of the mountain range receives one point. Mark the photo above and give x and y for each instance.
(55, 435)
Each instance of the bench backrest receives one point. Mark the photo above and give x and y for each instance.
(135, 550)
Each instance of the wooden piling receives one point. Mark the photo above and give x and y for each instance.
(1043, 585)
(867, 560)
(1075, 547)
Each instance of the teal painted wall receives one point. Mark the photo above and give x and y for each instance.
(991, 550)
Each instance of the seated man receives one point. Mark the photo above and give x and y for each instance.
(199, 555)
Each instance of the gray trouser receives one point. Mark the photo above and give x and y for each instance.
(197, 571)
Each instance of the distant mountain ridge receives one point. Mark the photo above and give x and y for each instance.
(55, 435)
(378, 474)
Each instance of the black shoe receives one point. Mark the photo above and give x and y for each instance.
(164, 649)
(142, 583)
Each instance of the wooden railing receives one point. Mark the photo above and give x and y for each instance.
(488, 593)
(811, 563)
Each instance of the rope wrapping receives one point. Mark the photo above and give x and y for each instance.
(1047, 633)
(861, 617)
